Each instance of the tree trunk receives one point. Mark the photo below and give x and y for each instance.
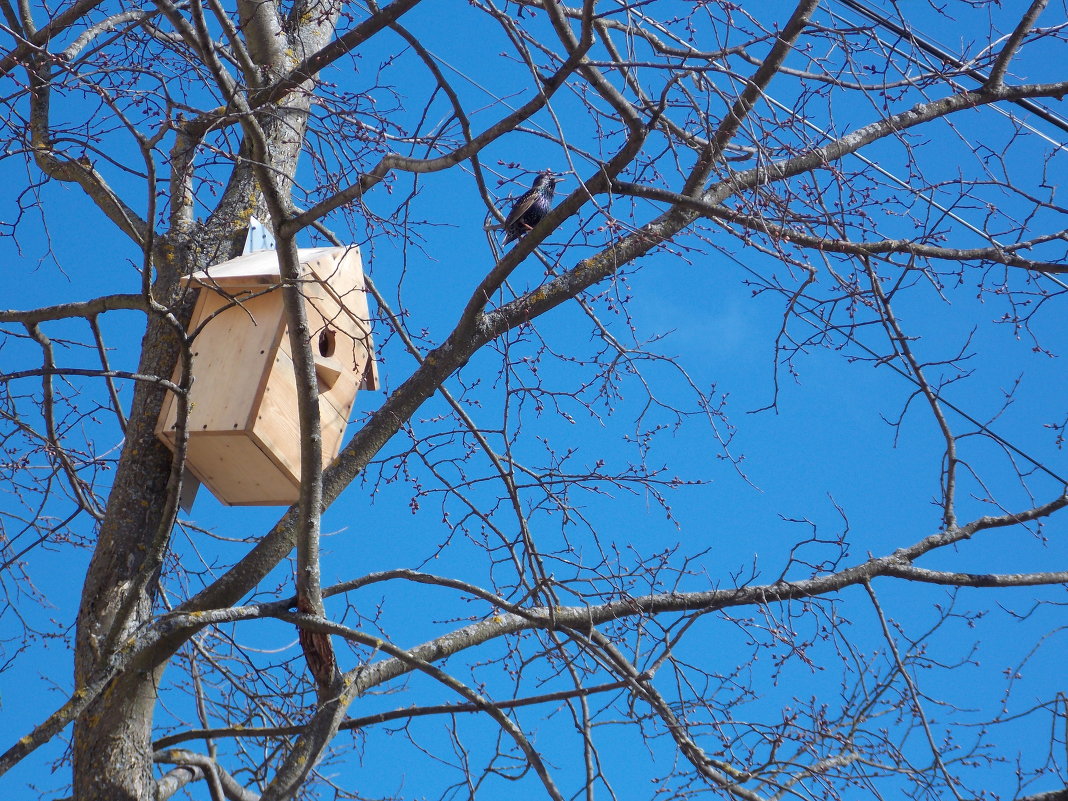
(112, 740)
(112, 757)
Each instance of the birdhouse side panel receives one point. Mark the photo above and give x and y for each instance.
(340, 341)
(230, 358)
(339, 268)
(335, 419)
(341, 274)
(276, 426)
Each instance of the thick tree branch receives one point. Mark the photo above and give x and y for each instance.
(80, 170)
(998, 254)
(87, 309)
(154, 644)
(406, 713)
(1012, 46)
(36, 40)
(198, 766)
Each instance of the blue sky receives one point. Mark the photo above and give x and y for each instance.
(825, 450)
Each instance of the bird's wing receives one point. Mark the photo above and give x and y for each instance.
(521, 207)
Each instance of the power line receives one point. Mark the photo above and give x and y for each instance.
(926, 45)
(907, 374)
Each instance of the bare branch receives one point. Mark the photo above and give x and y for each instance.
(87, 309)
(1012, 46)
(220, 783)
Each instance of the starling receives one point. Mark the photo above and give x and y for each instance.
(532, 206)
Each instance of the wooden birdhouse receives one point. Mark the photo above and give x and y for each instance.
(244, 431)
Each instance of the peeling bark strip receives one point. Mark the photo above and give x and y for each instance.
(318, 652)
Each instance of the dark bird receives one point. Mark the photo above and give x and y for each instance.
(531, 206)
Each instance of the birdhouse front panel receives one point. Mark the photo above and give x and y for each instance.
(244, 428)
(235, 334)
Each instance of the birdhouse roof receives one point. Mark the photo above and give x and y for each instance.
(261, 267)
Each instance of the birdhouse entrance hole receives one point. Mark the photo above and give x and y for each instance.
(244, 434)
(327, 342)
